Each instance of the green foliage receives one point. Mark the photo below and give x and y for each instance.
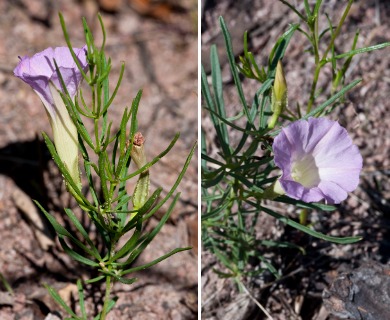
(110, 208)
(236, 184)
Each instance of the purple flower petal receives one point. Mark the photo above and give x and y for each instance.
(318, 161)
(333, 193)
(39, 70)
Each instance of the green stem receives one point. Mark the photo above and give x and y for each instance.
(303, 215)
(337, 32)
(314, 35)
(231, 200)
(96, 130)
(321, 62)
(313, 87)
(106, 298)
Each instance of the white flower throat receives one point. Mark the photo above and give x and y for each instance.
(305, 171)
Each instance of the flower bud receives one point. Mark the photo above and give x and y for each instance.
(279, 95)
(138, 152)
(141, 192)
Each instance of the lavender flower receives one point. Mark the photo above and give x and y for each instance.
(318, 161)
(40, 73)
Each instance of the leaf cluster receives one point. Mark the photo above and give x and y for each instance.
(234, 184)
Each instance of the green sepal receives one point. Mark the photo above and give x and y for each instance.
(81, 200)
(141, 192)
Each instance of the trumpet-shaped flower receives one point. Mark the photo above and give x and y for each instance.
(318, 161)
(40, 73)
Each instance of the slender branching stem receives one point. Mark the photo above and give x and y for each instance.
(338, 29)
(321, 62)
(106, 298)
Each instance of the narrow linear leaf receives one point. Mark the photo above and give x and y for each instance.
(229, 123)
(75, 255)
(218, 93)
(134, 112)
(270, 267)
(67, 40)
(362, 50)
(60, 301)
(224, 275)
(211, 182)
(154, 262)
(301, 204)
(174, 187)
(119, 278)
(212, 160)
(332, 99)
(233, 68)
(153, 233)
(279, 49)
(80, 290)
(305, 229)
(94, 279)
(129, 245)
(82, 231)
(146, 207)
(224, 259)
(211, 106)
(111, 99)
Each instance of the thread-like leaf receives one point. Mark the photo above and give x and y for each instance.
(305, 229)
(60, 301)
